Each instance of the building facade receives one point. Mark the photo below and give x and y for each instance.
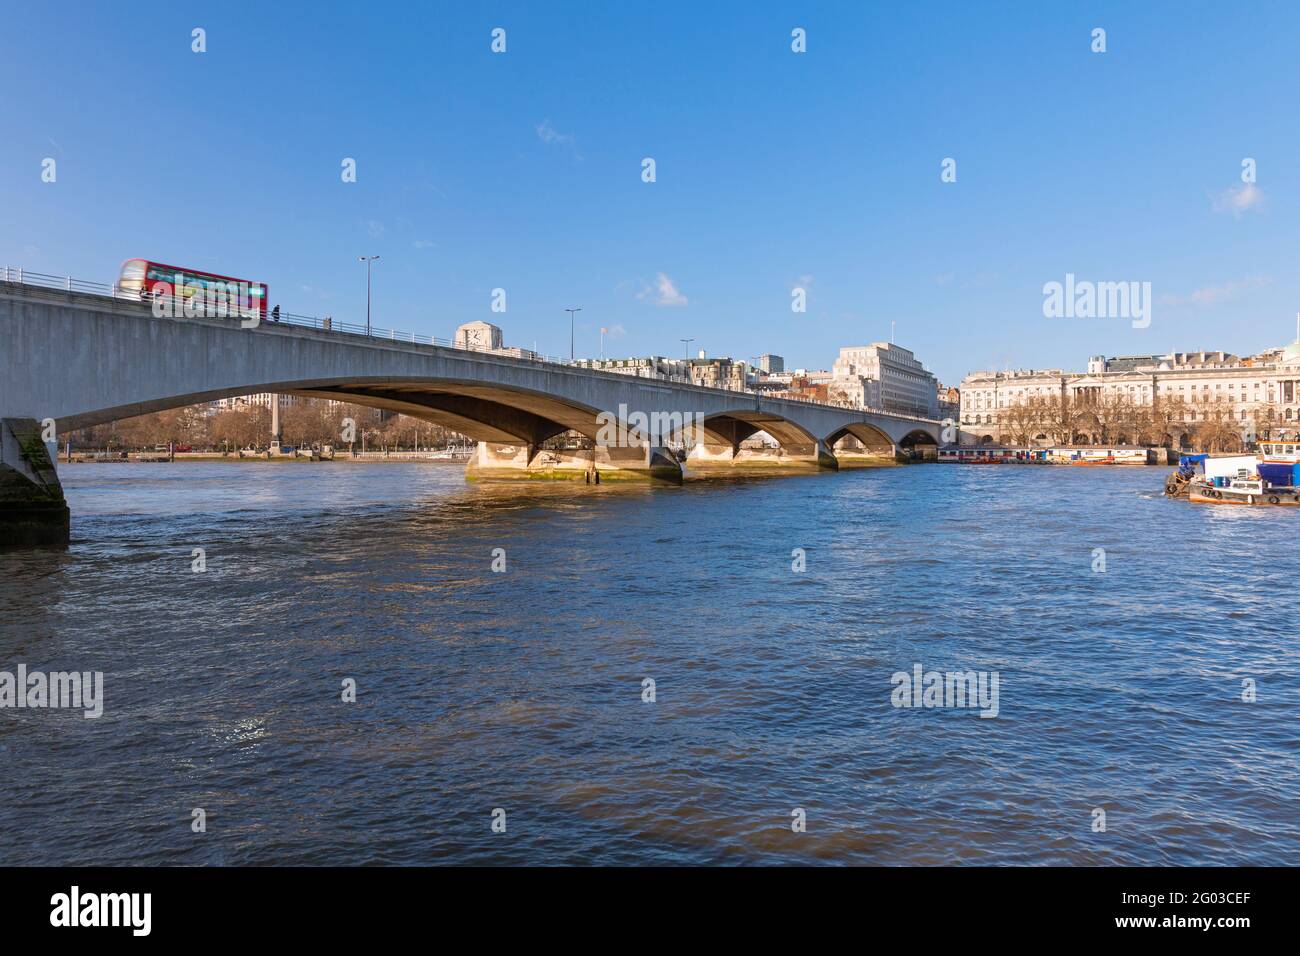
(710, 372)
(652, 366)
(478, 335)
(1169, 400)
(883, 376)
(948, 403)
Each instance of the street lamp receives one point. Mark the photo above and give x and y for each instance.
(571, 312)
(688, 347)
(367, 260)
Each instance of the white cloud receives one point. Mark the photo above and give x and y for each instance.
(423, 243)
(551, 136)
(1239, 200)
(664, 292)
(375, 228)
(1214, 294)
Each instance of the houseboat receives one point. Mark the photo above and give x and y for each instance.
(1118, 455)
(1035, 455)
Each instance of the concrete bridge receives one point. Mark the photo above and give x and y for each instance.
(80, 359)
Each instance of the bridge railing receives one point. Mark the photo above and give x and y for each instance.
(323, 323)
(19, 276)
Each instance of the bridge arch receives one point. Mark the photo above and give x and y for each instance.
(481, 412)
(738, 425)
(862, 439)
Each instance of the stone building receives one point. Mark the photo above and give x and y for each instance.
(883, 376)
(478, 335)
(652, 366)
(1146, 399)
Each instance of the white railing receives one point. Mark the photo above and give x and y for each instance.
(25, 277)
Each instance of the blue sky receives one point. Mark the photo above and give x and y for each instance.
(522, 170)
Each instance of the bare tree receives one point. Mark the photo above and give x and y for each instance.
(1216, 428)
(1061, 417)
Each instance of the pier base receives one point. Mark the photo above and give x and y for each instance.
(706, 460)
(33, 512)
(496, 461)
(867, 459)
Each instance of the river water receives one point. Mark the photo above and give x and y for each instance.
(1120, 689)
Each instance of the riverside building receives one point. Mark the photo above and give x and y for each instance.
(883, 376)
(1144, 399)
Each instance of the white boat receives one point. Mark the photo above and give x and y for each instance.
(1279, 452)
(1243, 491)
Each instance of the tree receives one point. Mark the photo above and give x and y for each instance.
(1062, 417)
(1265, 418)
(1166, 417)
(1216, 428)
(1024, 418)
(244, 427)
(1117, 417)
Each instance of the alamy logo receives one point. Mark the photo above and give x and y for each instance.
(923, 688)
(73, 690)
(212, 300)
(630, 430)
(72, 909)
(1098, 300)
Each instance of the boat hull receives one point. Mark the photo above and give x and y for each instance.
(1221, 496)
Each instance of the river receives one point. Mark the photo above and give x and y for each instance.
(1123, 629)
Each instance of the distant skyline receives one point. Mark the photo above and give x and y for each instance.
(774, 170)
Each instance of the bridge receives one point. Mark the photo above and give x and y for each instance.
(76, 354)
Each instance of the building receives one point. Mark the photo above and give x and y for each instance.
(716, 372)
(486, 337)
(653, 366)
(807, 386)
(478, 335)
(948, 403)
(262, 399)
(883, 376)
(1181, 399)
(709, 372)
(771, 363)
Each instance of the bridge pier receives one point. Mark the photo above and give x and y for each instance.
(498, 461)
(706, 459)
(33, 512)
(856, 455)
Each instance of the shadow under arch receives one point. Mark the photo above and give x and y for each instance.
(730, 428)
(481, 412)
(860, 440)
(715, 444)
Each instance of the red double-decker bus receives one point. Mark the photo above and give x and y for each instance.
(145, 276)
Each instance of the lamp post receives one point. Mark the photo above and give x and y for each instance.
(572, 313)
(367, 260)
(688, 347)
